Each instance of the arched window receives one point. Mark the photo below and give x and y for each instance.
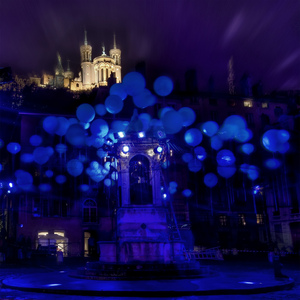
(140, 188)
(89, 211)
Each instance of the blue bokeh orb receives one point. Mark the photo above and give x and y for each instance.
(119, 90)
(99, 127)
(50, 124)
(84, 187)
(163, 86)
(253, 172)
(107, 182)
(186, 157)
(225, 158)
(187, 193)
(272, 163)
(85, 113)
(41, 155)
(49, 173)
(216, 142)
(194, 165)
(60, 179)
(200, 153)
(172, 122)
(134, 83)
(63, 125)
(27, 158)
(61, 148)
(227, 171)
(24, 180)
(247, 148)
(193, 137)
(13, 148)
(75, 135)
(100, 109)
(188, 116)
(45, 187)
(210, 128)
(35, 140)
(74, 167)
(113, 104)
(210, 180)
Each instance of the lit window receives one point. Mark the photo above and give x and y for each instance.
(259, 219)
(90, 211)
(265, 105)
(60, 233)
(42, 233)
(248, 103)
(223, 220)
(242, 220)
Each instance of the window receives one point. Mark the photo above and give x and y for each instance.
(259, 219)
(248, 103)
(77, 84)
(242, 220)
(250, 119)
(90, 211)
(223, 220)
(265, 105)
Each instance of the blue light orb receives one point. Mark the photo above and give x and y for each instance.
(119, 90)
(283, 135)
(236, 121)
(101, 153)
(1, 168)
(49, 173)
(40, 155)
(186, 157)
(98, 142)
(74, 167)
(244, 168)
(165, 164)
(247, 148)
(145, 119)
(225, 158)
(272, 163)
(99, 127)
(164, 110)
(49, 151)
(172, 190)
(284, 147)
(45, 187)
(143, 99)
(243, 135)
(75, 135)
(13, 148)
(61, 148)
(210, 180)
(210, 128)
(253, 172)
(72, 121)
(100, 109)
(226, 172)
(200, 153)
(113, 104)
(84, 187)
(271, 140)
(216, 142)
(163, 86)
(50, 124)
(107, 182)
(173, 184)
(1, 143)
(118, 126)
(194, 165)
(27, 158)
(193, 137)
(187, 193)
(188, 116)
(60, 179)
(63, 125)
(172, 122)
(24, 180)
(85, 113)
(35, 140)
(85, 125)
(134, 83)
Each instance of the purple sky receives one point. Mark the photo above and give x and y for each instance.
(263, 36)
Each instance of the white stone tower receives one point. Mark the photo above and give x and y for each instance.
(115, 53)
(86, 63)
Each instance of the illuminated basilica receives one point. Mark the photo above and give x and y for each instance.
(94, 72)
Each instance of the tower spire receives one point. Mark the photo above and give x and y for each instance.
(85, 38)
(231, 77)
(115, 45)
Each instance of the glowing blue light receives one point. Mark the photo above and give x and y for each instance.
(53, 284)
(210, 128)
(13, 148)
(35, 140)
(173, 184)
(74, 167)
(210, 180)
(11, 185)
(253, 172)
(85, 113)
(141, 134)
(195, 165)
(163, 86)
(200, 153)
(125, 149)
(172, 122)
(99, 127)
(107, 182)
(63, 125)
(50, 124)
(118, 89)
(159, 149)
(187, 193)
(216, 142)
(24, 180)
(164, 196)
(27, 157)
(100, 109)
(84, 187)
(60, 179)
(186, 157)
(61, 148)
(121, 134)
(272, 163)
(193, 137)
(75, 135)
(45, 187)
(227, 171)
(188, 116)
(247, 282)
(225, 158)
(113, 104)
(247, 148)
(49, 173)
(134, 83)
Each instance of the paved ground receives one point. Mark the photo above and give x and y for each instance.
(229, 273)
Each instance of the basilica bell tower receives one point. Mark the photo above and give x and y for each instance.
(86, 63)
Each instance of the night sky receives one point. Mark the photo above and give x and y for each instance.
(172, 36)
